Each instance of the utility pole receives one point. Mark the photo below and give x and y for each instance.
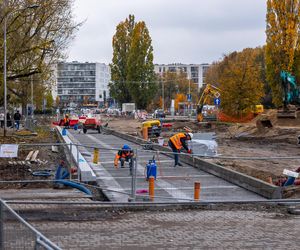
(6, 15)
(163, 96)
(4, 69)
(31, 83)
(189, 99)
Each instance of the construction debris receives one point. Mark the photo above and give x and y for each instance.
(34, 156)
(54, 149)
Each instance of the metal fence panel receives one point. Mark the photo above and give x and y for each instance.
(16, 233)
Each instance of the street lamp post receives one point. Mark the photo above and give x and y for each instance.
(4, 75)
(4, 64)
(163, 96)
(189, 95)
(31, 96)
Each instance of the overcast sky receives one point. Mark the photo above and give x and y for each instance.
(182, 31)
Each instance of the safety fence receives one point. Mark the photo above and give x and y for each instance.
(16, 233)
(92, 166)
(30, 124)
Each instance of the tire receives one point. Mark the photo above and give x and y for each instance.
(84, 130)
(99, 129)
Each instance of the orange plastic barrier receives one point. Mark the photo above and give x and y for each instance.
(196, 191)
(151, 188)
(242, 119)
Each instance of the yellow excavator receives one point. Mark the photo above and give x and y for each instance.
(212, 91)
(209, 91)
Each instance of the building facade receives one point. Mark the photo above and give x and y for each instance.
(195, 72)
(81, 84)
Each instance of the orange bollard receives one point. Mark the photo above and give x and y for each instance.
(151, 187)
(96, 156)
(197, 191)
(145, 133)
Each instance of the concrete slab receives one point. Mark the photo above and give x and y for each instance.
(171, 183)
(85, 172)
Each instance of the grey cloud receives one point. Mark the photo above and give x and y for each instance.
(191, 31)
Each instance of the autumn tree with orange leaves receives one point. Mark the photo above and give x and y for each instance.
(239, 77)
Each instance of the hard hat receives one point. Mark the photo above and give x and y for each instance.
(190, 135)
(126, 147)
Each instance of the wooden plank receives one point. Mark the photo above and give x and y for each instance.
(29, 156)
(35, 154)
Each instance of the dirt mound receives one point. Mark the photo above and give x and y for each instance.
(271, 115)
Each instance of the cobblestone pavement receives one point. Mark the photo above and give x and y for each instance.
(191, 229)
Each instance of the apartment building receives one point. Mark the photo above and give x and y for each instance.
(82, 83)
(195, 72)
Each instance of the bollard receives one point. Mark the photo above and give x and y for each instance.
(197, 191)
(64, 132)
(151, 188)
(96, 156)
(145, 133)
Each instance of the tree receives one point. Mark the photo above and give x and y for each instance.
(119, 87)
(141, 74)
(282, 42)
(132, 69)
(36, 39)
(239, 77)
(175, 83)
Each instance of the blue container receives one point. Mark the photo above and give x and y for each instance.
(151, 169)
(75, 126)
(64, 131)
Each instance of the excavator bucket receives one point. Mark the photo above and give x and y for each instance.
(264, 122)
(287, 114)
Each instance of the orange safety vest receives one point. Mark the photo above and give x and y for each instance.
(175, 139)
(122, 154)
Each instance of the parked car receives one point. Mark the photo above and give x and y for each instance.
(93, 123)
(159, 113)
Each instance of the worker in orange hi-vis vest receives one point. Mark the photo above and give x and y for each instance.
(124, 155)
(177, 142)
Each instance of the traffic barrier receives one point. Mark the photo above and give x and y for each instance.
(145, 133)
(151, 188)
(197, 191)
(96, 156)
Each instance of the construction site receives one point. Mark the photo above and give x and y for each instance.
(243, 170)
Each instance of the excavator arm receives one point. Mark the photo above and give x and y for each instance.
(209, 91)
(291, 95)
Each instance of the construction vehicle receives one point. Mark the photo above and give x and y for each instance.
(93, 123)
(209, 112)
(291, 96)
(209, 91)
(153, 127)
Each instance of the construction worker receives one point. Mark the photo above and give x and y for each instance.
(177, 142)
(66, 120)
(124, 154)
